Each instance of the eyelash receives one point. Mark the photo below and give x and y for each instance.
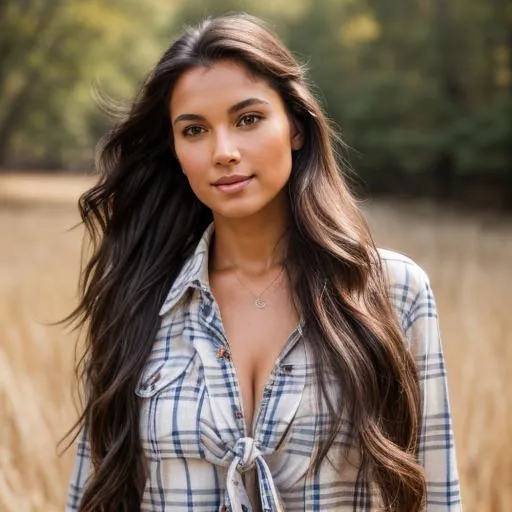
(256, 118)
(188, 129)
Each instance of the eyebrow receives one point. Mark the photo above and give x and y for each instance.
(232, 110)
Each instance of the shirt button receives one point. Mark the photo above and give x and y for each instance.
(288, 368)
(222, 353)
(238, 415)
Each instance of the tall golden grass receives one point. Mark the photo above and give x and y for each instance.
(469, 260)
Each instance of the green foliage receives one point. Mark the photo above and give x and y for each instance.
(483, 140)
(54, 51)
(412, 85)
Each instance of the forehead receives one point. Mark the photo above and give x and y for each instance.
(219, 85)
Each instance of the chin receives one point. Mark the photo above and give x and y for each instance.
(235, 214)
(233, 211)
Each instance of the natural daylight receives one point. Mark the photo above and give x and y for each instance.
(467, 256)
(420, 94)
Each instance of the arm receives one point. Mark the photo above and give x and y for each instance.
(80, 474)
(436, 444)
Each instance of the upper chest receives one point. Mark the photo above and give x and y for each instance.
(256, 336)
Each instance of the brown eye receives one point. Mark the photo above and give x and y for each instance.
(249, 119)
(192, 131)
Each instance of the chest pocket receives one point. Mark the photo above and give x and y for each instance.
(169, 397)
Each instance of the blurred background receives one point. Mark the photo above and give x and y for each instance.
(422, 94)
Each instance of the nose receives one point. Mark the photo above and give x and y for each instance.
(225, 151)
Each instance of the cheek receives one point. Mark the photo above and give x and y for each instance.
(195, 173)
(191, 158)
(274, 156)
(195, 164)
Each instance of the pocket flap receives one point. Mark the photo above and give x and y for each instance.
(158, 376)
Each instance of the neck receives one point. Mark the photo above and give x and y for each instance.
(253, 246)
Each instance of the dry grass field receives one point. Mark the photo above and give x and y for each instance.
(469, 260)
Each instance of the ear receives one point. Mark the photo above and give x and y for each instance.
(296, 135)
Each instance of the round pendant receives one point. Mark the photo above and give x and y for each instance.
(260, 303)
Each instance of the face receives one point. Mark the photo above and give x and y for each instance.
(233, 139)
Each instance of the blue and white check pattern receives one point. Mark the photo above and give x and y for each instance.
(195, 437)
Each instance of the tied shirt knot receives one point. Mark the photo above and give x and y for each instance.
(247, 455)
(245, 452)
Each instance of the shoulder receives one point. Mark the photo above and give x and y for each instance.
(402, 271)
(408, 284)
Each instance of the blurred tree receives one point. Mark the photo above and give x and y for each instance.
(421, 90)
(50, 53)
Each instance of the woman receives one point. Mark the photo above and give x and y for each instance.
(249, 349)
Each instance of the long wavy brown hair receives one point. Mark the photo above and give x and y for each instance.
(144, 222)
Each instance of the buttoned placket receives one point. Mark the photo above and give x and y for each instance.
(246, 452)
(209, 317)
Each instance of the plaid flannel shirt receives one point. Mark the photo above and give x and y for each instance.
(195, 437)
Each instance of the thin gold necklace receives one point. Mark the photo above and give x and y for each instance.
(259, 302)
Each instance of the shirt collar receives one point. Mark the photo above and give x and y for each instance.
(194, 272)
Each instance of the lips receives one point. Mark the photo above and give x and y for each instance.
(230, 180)
(233, 184)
